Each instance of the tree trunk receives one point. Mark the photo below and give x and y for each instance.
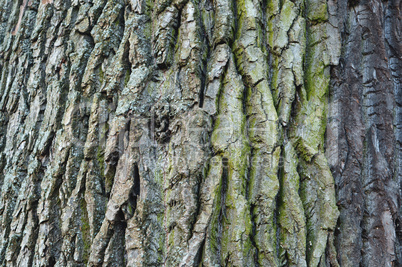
(200, 133)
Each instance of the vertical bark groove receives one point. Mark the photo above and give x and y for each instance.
(200, 133)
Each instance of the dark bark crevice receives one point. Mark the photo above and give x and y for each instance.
(110, 111)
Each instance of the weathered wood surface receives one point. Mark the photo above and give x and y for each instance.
(200, 133)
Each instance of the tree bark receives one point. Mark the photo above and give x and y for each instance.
(200, 133)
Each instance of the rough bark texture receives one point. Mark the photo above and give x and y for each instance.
(200, 133)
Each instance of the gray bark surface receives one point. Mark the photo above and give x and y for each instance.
(200, 133)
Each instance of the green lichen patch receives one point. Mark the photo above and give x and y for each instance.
(85, 231)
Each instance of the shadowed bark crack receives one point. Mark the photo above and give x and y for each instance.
(188, 133)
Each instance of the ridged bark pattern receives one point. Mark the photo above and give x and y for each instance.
(200, 133)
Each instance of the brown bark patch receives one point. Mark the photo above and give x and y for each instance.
(22, 10)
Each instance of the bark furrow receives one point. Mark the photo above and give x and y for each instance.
(200, 133)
